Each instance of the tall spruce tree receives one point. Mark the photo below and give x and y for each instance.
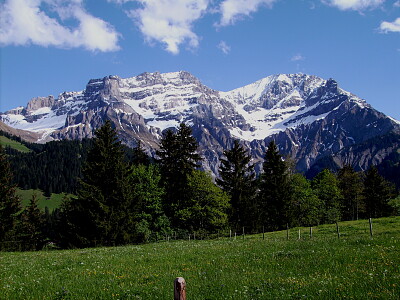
(178, 159)
(102, 212)
(31, 228)
(9, 203)
(139, 155)
(377, 193)
(351, 187)
(237, 180)
(274, 189)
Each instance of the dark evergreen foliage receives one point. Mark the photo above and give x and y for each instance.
(31, 231)
(351, 187)
(178, 159)
(274, 189)
(102, 213)
(377, 193)
(9, 204)
(238, 181)
(53, 167)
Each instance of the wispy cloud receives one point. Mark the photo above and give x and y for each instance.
(169, 21)
(224, 47)
(24, 22)
(297, 57)
(396, 4)
(233, 10)
(358, 5)
(390, 26)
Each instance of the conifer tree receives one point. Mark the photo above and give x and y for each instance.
(326, 187)
(351, 187)
(101, 214)
(9, 202)
(178, 159)
(32, 224)
(274, 189)
(139, 155)
(377, 193)
(237, 180)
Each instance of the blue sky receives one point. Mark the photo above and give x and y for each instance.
(52, 46)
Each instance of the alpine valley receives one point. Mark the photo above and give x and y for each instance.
(312, 120)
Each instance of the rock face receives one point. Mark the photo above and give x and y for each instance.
(310, 118)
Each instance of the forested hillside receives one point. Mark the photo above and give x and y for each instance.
(123, 197)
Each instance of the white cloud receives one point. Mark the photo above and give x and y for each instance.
(390, 26)
(224, 47)
(24, 22)
(232, 10)
(396, 4)
(170, 21)
(297, 57)
(358, 5)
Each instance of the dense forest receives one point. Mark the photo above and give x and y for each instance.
(122, 196)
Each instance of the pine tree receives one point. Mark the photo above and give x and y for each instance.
(101, 214)
(326, 187)
(237, 180)
(9, 203)
(274, 189)
(351, 187)
(139, 155)
(178, 159)
(377, 193)
(32, 224)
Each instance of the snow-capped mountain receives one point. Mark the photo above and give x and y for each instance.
(310, 118)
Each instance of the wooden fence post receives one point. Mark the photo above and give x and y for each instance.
(243, 232)
(370, 226)
(263, 233)
(299, 234)
(287, 231)
(310, 232)
(337, 230)
(179, 289)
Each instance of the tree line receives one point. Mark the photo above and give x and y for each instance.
(123, 199)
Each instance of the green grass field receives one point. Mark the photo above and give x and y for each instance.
(355, 266)
(4, 141)
(52, 203)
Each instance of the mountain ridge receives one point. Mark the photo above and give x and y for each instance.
(307, 116)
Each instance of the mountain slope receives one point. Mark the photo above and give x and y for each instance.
(309, 117)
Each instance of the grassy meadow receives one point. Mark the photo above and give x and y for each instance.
(52, 202)
(6, 142)
(354, 266)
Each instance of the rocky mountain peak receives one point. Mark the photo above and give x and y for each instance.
(309, 117)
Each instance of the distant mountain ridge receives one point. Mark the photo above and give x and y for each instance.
(309, 118)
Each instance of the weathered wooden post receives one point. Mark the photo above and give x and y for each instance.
(337, 230)
(370, 226)
(310, 232)
(263, 233)
(243, 232)
(287, 231)
(179, 289)
(230, 234)
(299, 234)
